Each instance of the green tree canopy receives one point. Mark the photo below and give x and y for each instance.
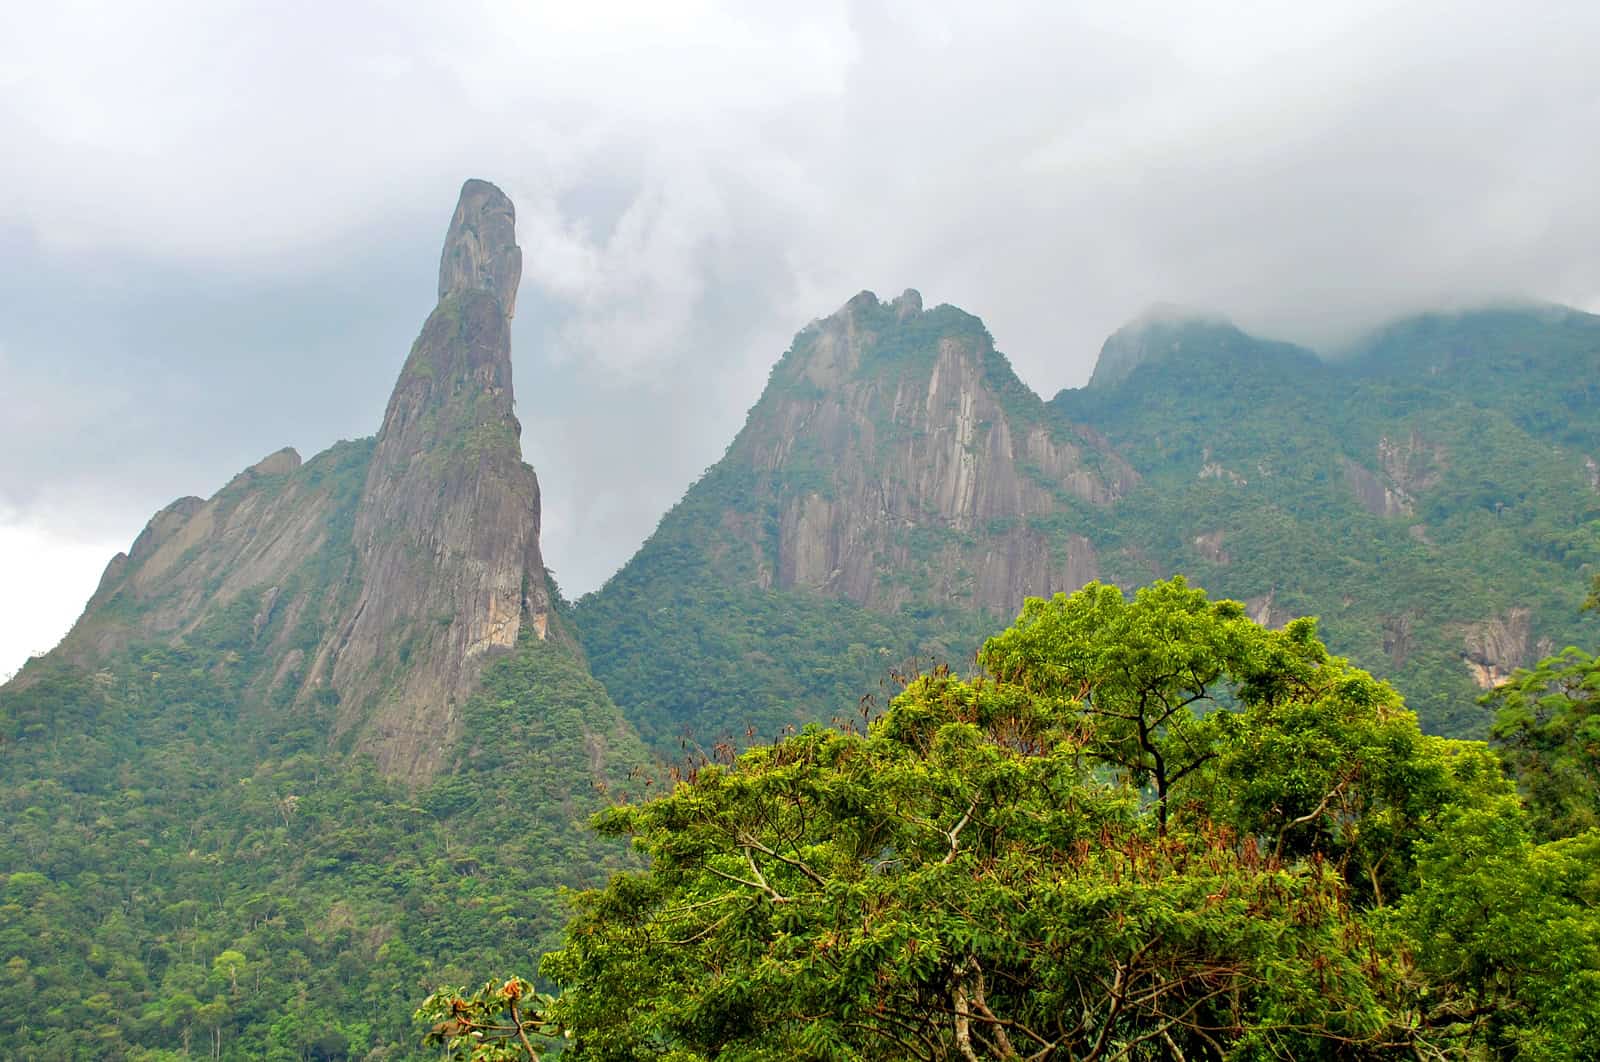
(1547, 727)
(986, 872)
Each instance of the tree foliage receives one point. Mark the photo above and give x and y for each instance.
(177, 874)
(1547, 727)
(991, 870)
(501, 1022)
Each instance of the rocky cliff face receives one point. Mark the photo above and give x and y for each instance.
(893, 497)
(270, 546)
(896, 467)
(1496, 647)
(1407, 467)
(904, 461)
(447, 530)
(480, 250)
(381, 575)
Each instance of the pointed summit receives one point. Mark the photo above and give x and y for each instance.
(480, 250)
(380, 576)
(896, 491)
(241, 663)
(447, 530)
(888, 428)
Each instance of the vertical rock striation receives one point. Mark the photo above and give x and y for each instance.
(447, 529)
(906, 462)
(480, 251)
(892, 498)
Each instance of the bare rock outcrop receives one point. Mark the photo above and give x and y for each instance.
(280, 463)
(197, 557)
(1375, 496)
(1399, 636)
(480, 250)
(895, 439)
(1265, 610)
(447, 530)
(1495, 647)
(1406, 468)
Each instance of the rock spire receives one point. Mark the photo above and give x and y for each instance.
(447, 530)
(480, 250)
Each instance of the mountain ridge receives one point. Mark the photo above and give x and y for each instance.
(1288, 480)
(896, 483)
(334, 725)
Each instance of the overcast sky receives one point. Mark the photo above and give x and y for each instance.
(220, 222)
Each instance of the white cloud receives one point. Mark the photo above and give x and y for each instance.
(46, 579)
(696, 181)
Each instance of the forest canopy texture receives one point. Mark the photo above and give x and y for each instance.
(1147, 828)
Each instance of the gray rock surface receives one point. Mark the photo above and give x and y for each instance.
(378, 583)
(903, 444)
(1497, 646)
(480, 249)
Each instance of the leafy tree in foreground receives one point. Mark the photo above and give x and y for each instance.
(1548, 730)
(499, 1023)
(1506, 935)
(1141, 674)
(965, 880)
(1264, 730)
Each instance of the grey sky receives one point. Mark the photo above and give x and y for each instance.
(219, 222)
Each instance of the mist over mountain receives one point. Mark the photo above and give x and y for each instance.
(192, 242)
(335, 727)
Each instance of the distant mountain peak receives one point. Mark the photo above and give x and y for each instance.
(905, 305)
(448, 523)
(1161, 331)
(379, 577)
(887, 422)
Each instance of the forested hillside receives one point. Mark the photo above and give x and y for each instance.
(894, 492)
(1433, 497)
(184, 874)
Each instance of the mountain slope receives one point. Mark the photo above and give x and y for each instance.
(895, 492)
(1439, 525)
(414, 578)
(316, 740)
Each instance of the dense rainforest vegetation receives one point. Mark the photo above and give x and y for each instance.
(702, 655)
(1147, 829)
(1143, 828)
(1474, 436)
(183, 881)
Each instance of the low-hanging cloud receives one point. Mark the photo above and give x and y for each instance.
(220, 220)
